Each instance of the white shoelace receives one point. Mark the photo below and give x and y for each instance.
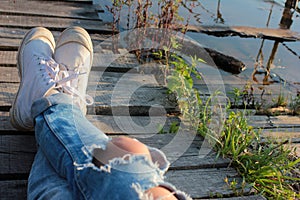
(64, 79)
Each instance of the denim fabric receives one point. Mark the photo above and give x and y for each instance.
(64, 165)
(45, 183)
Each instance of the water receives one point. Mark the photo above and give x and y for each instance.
(253, 13)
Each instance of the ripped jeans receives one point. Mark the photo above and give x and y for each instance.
(63, 167)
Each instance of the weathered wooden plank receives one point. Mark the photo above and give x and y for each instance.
(9, 43)
(142, 102)
(17, 153)
(18, 33)
(53, 23)
(257, 122)
(128, 62)
(265, 94)
(54, 8)
(290, 136)
(8, 58)
(274, 122)
(140, 124)
(285, 120)
(102, 61)
(242, 83)
(9, 74)
(79, 1)
(202, 183)
(13, 189)
(7, 93)
(10, 39)
(282, 134)
(105, 59)
(137, 125)
(12, 44)
(114, 92)
(252, 197)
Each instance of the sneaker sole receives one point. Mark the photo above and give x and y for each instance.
(30, 35)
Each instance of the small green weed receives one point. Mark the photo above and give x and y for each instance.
(281, 100)
(295, 105)
(237, 96)
(267, 166)
(243, 98)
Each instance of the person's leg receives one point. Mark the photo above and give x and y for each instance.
(68, 140)
(119, 147)
(45, 183)
(61, 131)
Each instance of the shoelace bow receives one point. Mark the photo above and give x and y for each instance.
(65, 80)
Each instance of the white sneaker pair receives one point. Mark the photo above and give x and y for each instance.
(46, 68)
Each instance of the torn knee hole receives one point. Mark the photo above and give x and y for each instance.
(119, 147)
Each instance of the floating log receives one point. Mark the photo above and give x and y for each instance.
(225, 62)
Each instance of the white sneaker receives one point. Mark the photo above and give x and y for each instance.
(74, 50)
(34, 59)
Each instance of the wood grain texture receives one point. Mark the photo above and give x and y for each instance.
(202, 183)
(53, 23)
(250, 197)
(111, 124)
(10, 39)
(13, 189)
(16, 148)
(53, 9)
(112, 93)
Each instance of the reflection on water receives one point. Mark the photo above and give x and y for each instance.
(219, 18)
(285, 23)
(262, 57)
(240, 13)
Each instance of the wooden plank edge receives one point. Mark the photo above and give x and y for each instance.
(18, 151)
(13, 189)
(11, 12)
(250, 197)
(196, 187)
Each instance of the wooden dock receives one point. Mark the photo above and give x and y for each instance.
(201, 177)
